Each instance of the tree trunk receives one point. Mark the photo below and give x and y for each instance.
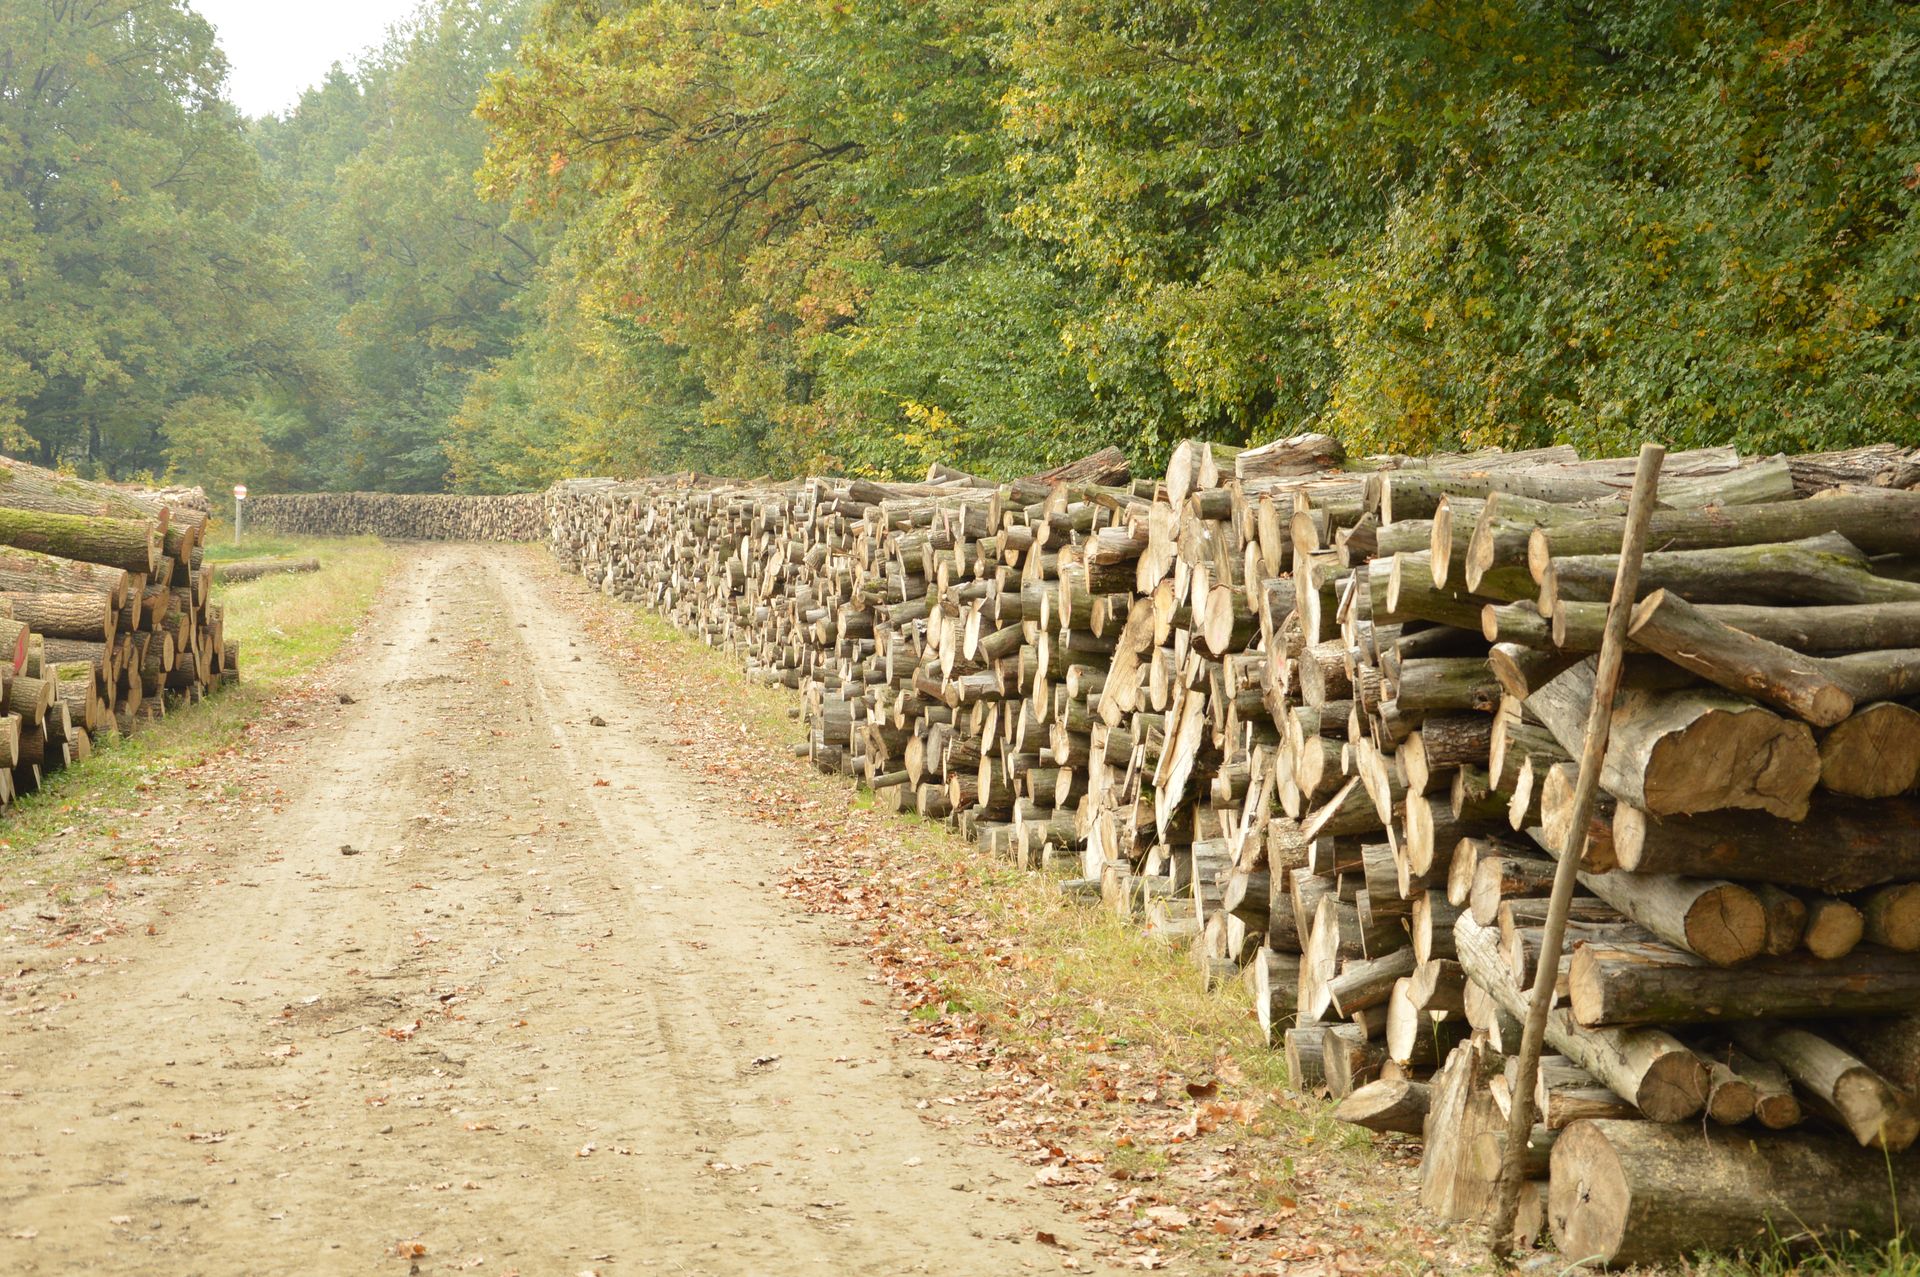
(69, 616)
(1877, 521)
(1665, 623)
(1686, 752)
(1820, 570)
(254, 569)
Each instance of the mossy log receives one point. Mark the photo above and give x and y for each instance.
(128, 544)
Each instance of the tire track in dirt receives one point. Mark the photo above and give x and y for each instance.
(490, 981)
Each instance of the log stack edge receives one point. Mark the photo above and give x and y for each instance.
(107, 615)
(1311, 718)
(403, 517)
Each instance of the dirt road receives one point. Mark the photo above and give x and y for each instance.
(460, 981)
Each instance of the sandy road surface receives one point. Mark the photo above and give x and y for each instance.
(549, 1015)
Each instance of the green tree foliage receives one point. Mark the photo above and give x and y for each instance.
(770, 235)
(418, 280)
(135, 279)
(994, 233)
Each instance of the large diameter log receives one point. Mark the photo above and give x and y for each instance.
(68, 616)
(1627, 1193)
(116, 543)
(1674, 753)
(1624, 983)
(1655, 1071)
(27, 570)
(29, 487)
(1843, 845)
(1294, 455)
(1688, 749)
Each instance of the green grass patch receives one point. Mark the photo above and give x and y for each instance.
(221, 547)
(85, 819)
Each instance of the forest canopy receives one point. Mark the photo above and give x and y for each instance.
(532, 238)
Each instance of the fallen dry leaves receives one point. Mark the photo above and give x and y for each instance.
(1157, 1165)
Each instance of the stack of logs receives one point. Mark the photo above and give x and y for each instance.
(402, 517)
(1313, 718)
(105, 613)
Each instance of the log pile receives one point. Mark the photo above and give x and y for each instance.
(1312, 718)
(106, 616)
(402, 516)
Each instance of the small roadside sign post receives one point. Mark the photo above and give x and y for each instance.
(239, 506)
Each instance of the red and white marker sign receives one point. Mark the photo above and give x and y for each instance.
(239, 492)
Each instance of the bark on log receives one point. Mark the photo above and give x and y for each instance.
(1838, 1084)
(127, 544)
(1844, 844)
(1688, 752)
(1626, 1193)
(1398, 1105)
(1294, 455)
(1665, 623)
(69, 616)
(1655, 1071)
(1618, 984)
(253, 569)
(1877, 521)
(1819, 570)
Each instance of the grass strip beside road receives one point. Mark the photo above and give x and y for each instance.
(287, 626)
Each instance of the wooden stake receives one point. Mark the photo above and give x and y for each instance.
(1646, 483)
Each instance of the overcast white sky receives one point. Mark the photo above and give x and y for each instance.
(278, 48)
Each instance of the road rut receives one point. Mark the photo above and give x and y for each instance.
(464, 982)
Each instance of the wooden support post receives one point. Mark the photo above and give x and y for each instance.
(1646, 483)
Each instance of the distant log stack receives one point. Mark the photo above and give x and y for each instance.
(111, 616)
(1312, 718)
(402, 516)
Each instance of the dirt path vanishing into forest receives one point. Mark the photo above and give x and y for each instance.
(460, 981)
